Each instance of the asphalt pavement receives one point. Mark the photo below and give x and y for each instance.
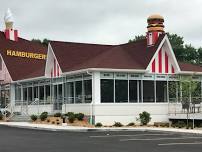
(29, 140)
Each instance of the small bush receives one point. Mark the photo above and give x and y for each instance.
(200, 125)
(57, 120)
(58, 123)
(1, 116)
(180, 124)
(57, 114)
(79, 116)
(71, 118)
(7, 113)
(33, 117)
(190, 125)
(48, 120)
(144, 118)
(161, 124)
(53, 122)
(117, 124)
(98, 124)
(131, 124)
(69, 113)
(43, 116)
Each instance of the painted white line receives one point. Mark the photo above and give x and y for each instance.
(152, 139)
(171, 144)
(108, 135)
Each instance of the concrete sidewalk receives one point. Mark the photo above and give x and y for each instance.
(66, 127)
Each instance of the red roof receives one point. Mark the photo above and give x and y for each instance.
(76, 56)
(190, 67)
(18, 67)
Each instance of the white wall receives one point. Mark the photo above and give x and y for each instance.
(125, 113)
(76, 108)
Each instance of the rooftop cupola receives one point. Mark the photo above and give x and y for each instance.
(10, 32)
(154, 29)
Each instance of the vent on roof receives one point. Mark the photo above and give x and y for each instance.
(10, 33)
(155, 28)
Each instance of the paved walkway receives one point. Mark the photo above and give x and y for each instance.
(66, 127)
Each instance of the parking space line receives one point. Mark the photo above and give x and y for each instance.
(108, 135)
(171, 144)
(152, 139)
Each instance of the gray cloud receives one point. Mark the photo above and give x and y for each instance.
(102, 21)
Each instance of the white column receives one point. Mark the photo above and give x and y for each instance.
(96, 90)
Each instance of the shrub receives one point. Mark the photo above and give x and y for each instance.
(190, 125)
(180, 124)
(1, 116)
(57, 114)
(131, 124)
(161, 124)
(53, 122)
(117, 124)
(144, 118)
(71, 118)
(48, 120)
(43, 116)
(58, 123)
(69, 113)
(33, 117)
(79, 116)
(7, 113)
(98, 124)
(200, 125)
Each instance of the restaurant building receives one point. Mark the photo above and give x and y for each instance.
(108, 83)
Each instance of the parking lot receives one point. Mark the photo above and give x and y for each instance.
(20, 140)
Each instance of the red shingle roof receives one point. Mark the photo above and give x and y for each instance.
(18, 67)
(190, 67)
(76, 56)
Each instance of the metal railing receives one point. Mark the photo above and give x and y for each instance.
(185, 105)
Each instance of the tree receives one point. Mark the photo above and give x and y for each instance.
(44, 41)
(190, 54)
(199, 58)
(177, 44)
(137, 38)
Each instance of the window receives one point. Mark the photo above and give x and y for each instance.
(173, 89)
(161, 91)
(24, 94)
(30, 94)
(78, 93)
(88, 91)
(47, 88)
(41, 92)
(133, 91)
(60, 92)
(70, 92)
(107, 90)
(121, 91)
(17, 93)
(36, 92)
(148, 91)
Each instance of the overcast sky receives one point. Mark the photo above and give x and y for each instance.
(102, 21)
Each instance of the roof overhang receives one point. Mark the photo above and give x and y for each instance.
(105, 70)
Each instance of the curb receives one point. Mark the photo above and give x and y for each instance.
(104, 129)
